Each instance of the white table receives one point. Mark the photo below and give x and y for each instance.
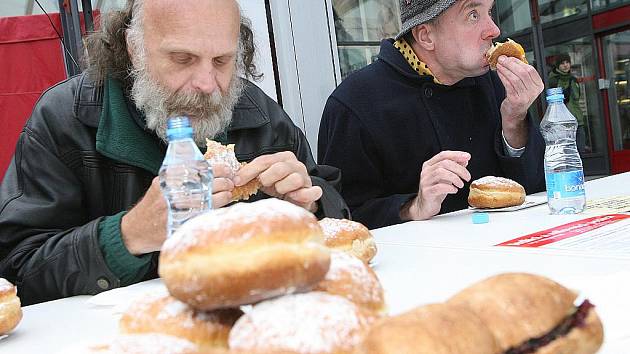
(456, 230)
(417, 262)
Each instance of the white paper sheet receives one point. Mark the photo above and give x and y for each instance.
(530, 201)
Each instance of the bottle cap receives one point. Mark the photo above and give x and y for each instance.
(480, 218)
(555, 94)
(178, 127)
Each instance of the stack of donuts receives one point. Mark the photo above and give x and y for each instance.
(307, 297)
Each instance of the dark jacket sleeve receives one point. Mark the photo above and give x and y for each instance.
(328, 178)
(528, 169)
(48, 246)
(343, 142)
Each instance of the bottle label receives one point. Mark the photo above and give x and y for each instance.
(565, 184)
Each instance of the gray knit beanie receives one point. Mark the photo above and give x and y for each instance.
(416, 12)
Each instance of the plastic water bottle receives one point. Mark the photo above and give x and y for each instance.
(563, 167)
(185, 176)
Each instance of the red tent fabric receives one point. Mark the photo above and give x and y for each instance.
(30, 61)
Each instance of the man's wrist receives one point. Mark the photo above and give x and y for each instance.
(126, 234)
(410, 210)
(510, 150)
(514, 132)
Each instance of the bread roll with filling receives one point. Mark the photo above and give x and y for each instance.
(243, 254)
(519, 308)
(430, 329)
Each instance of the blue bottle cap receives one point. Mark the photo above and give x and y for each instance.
(178, 128)
(555, 94)
(480, 218)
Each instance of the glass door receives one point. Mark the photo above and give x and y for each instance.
(360, 25)
(617, 62)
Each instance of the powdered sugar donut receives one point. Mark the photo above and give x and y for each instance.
(495, 192)
(167, 315)
(349, 236)
(313, 323)
(351, 278)
(137, 344)
(244, 254)
(10, 307)
(224, 154)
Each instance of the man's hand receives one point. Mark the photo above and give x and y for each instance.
(283, 176)
(143, 228)
(522, 86)
(222, 185)
(441, 175)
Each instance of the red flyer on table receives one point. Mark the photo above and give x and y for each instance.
(611, 232)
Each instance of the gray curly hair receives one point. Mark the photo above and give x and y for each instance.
(106, 49)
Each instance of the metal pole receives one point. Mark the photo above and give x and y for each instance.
(87, 15)
(29, 7)
(69, 11)
(539, 47)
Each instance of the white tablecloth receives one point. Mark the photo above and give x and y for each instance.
(417, 262)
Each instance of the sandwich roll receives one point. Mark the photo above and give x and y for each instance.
(430, 329)
(532, 314)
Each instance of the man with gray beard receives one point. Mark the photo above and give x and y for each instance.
(81, 208)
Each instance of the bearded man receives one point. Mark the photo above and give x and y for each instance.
(82, 210)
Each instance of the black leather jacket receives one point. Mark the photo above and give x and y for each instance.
(59, 185)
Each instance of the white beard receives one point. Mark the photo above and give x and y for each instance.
(210, 114)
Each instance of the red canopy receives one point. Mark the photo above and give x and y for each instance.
(30, 61)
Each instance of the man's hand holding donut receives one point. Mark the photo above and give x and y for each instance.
(282, 176)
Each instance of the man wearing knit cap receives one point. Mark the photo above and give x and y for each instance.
(411, 130)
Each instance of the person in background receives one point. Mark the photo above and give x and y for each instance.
(82, 211)
(561, 77)
(411, 130)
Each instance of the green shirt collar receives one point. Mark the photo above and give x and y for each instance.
(120, 138)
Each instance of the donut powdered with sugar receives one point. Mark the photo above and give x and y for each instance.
(243, 254)
(349, 236)
(167, 315)
(313, 323)
(495, 192)
(224, 154)
(10, 307)
(151, 343)
(351, 278)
